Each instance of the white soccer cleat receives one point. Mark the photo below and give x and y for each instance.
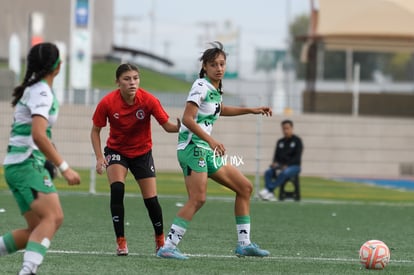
(266, 195)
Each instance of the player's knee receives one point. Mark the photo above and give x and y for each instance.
(58, 219)
(245, 189)
(198, 201)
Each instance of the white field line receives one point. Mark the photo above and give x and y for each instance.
(183, 198)
(276, 258)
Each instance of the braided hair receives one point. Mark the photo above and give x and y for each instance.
(209, 55)
(42, 60)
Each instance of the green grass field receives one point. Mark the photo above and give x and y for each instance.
(319, 235)
(103, 77)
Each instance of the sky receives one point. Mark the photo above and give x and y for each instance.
(180, 29)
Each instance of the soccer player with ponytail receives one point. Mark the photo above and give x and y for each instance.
(128, 110)
(36, 110)
(199, 156)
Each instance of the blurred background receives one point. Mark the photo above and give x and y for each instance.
(343, 71)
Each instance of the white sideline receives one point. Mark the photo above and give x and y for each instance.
(284, 258)
(253, 199)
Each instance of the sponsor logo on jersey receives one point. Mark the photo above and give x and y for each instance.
(217, 111)
(41, 105)
(195, 93)
(116, 115)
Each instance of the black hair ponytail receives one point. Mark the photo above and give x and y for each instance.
(42, 59)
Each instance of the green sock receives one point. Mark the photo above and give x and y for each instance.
(7, 244)
(36, 247)
(181, 222)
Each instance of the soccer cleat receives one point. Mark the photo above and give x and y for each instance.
(171, 253)
(159, 242)
(251, 250)
(122, 249)
(266, 195)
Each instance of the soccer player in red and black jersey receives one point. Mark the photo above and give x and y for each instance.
(128, 111)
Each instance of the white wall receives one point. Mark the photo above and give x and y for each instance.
(334, 145)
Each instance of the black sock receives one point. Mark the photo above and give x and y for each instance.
(117, 207)
(155, 214)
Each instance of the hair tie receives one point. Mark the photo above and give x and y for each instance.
(56, 63)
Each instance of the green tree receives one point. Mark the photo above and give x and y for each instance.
(298, 29)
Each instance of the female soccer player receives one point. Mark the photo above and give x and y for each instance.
(36, 110)
(197, 151)
(128, 111)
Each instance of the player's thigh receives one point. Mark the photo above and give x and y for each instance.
(230, 177)
(194, 164)
(196, 185)
(117, 167)
(47, 205)
(116, 172)
(148, 187)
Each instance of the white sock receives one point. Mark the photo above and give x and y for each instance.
(243, 234)
(3, 249)
(174, 236)
(33, 256)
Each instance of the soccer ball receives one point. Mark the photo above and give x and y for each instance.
(374, 254)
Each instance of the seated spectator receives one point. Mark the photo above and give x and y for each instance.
(286, 161)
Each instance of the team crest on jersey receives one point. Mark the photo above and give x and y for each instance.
(140, 114)
(47, 181)
(201, 162)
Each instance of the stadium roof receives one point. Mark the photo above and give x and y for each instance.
(365, 25)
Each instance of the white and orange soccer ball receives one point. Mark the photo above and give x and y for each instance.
(374, 254)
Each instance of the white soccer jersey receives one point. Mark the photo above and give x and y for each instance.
(37, 99)
(208, 100)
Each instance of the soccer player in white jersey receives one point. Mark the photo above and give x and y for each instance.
(197, 150)
(36, 110)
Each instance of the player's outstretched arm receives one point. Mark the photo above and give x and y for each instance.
(236, 111)
(170, 127)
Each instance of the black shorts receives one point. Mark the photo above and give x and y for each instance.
(141, 167)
